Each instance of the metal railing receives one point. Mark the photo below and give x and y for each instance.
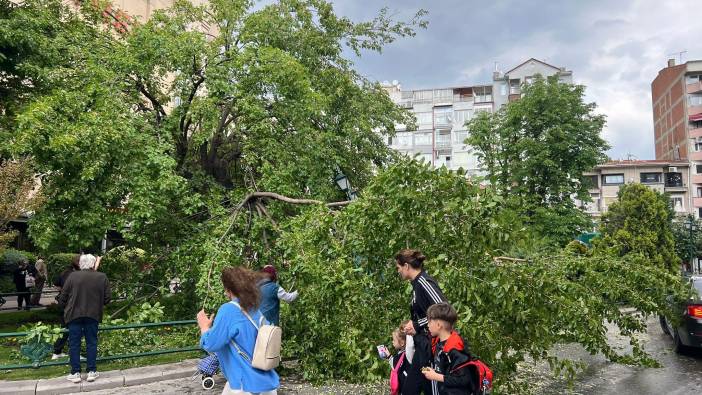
(36, 365)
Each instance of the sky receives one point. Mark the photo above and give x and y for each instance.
(614, 48)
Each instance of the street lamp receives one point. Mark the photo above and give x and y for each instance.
(691, 226)
(343, 182)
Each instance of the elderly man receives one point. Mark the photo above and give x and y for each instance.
(83, 296)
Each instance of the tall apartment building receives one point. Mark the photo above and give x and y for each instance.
(676, 95)
(442, 113)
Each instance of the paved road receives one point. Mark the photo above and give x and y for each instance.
(680, 375)
(46, 299)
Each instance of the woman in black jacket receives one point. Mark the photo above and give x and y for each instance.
(425, 292)
(24, 269)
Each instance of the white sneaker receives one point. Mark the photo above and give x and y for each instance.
(74, 378)
(92, 376)
(82, 358)
(58, 356)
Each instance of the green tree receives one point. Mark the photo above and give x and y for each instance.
(640, 223)
(688, 242)
(157, 130)
(536, 149)
(509, 309)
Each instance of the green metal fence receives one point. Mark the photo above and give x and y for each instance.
(38, 364)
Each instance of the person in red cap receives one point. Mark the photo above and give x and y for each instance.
(272, 293)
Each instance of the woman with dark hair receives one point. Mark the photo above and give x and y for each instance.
(232, 327)
(425, 292)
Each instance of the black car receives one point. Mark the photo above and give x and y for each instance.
(689, 332)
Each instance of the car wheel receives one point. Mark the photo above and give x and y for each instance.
(678, 346)
(664, 325)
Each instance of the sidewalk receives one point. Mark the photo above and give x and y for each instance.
(107, 380)
(46, 299)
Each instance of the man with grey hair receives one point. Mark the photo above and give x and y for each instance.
(83, 296)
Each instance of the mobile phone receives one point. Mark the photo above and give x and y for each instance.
(383, 352)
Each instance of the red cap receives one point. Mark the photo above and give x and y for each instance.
(270, 269)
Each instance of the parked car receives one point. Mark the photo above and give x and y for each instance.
(689, 332)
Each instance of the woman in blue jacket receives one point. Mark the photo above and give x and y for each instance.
(230, 325)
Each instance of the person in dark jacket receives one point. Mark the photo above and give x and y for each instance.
(450, 374)
(272, 293)
(83, 296)
(425, 292)
(24, 270)
(59, 281)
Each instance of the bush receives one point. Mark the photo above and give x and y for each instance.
(11, 258)
(57, 263)
(128, 270)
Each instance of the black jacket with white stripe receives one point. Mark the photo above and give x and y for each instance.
(425, 292)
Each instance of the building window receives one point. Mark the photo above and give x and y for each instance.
(443, 115)
(697, 146)
(482, 94)
(460, 117)
(443, 137)
(699, 212)
(691, 79)
(424, 118)
(459, 137)
(695, 124)
(514, 87)
(677, 203)
(423, 95)
(591, 182)
(404, 139)
(389, 140)
(443, 94)
(698, 169)
(651, 178)
(673, 180)
(422, 139)
(613, 179)
(694, 100)
(699, 192)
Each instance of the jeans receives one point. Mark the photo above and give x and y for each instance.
(88, 328)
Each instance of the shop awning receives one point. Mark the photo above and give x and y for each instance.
(696, 117)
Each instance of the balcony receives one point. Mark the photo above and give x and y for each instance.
(695, 87)
(697, 202)
(695, 155)
(693, 110)
(696, 132)
(696, 179)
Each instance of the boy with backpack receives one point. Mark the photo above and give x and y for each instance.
(455, 371)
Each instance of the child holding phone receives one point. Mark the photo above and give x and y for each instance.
(401, 361)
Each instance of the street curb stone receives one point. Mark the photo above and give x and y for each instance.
(107, 380)
(56, 386)
(26, 387)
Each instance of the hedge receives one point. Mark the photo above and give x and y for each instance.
(57, 263)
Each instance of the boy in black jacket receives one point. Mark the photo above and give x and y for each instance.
(450, 374)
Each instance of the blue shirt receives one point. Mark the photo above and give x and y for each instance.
(230, 323)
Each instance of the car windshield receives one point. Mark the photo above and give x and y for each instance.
(698, 287)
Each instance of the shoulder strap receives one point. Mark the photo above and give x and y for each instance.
(399, 362)
(247, 315)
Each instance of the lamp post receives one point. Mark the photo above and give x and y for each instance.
(343, 182)
(691, 226)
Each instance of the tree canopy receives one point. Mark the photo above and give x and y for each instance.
(535, 150)
(640, 222)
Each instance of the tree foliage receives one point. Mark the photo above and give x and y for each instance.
(640, 223)
(508, 309)
(536, 149)
(688, 244)
(154, 131)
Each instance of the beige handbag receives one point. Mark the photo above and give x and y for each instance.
(266, 353)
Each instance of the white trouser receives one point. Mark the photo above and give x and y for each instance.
(228, 391)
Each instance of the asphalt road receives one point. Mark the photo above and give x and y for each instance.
(680, 375)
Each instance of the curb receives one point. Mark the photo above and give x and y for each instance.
(107, 380)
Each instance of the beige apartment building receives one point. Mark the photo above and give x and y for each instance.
(671, 177)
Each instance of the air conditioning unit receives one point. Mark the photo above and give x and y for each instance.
(672, 169)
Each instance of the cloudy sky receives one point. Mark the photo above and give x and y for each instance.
(615, 48)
